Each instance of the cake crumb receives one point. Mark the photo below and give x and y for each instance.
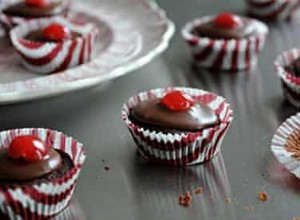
(198, 190)
(228, 200)
(249, 208)
(262, 196)
(185, 200)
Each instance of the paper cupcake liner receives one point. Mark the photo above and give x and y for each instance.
(222, 54)
(39, 201)
(11, 21)
(290, 82)
(274, 9)
(50, 57)
(290, 127)
(182, 148)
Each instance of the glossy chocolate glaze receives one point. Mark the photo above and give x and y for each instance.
(19, 170)
(153, 113)
(294, 68)
(38, 36)
(209, 29)
(21, 9)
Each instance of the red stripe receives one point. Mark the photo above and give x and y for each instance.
(43, 60)
(257, 43)
(248, 54)
(201, 56)
(31, 44)
(67, 59)
(207, 98)
(47, 199)
(89, 46)
(261, 4)
(63, 142)
(235, 55)
(82, 52)
(217, 64)
(74, 149)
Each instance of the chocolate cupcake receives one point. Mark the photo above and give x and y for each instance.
(274, 9)
(177, 126)
(40, 167)
(16, 12)
(287, 67)
(225, 41)
(54, 45)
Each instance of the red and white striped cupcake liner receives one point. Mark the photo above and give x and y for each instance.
(50, 57)
(11, 21)
(279, 142)
(222, 54)
(274, 9)
(182, 148)
(290, 82)
(39, 201)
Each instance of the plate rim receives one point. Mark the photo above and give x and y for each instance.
(72, 86)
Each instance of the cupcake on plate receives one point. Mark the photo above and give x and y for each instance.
(39, 171)
(177, 126)
(287, 67)
(18, 11)
(225, 41)
(54, 45)
(274, 9)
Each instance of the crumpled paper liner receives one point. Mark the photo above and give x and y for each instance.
(280, 139)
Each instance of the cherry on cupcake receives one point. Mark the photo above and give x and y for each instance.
(177, 101)
(227, 20)
(28, 148)
(37, 3)
(56, 32)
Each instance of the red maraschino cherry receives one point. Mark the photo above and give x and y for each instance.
(28, 148)
(56, 32)
(177, 101)
(37, 3)
(227, 21)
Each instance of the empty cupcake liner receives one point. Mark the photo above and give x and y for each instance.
(222, 54)
(11, 21)
(50, 57)
(290, 82)
(181, 148)
(39, 201)
(274, 9)
(280, 140)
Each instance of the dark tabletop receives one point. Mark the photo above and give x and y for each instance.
(133, 190)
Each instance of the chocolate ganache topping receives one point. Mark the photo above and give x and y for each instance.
(294, 68)
(225, 27)
(155, 113)
(27, 158)
(19, 170)
(23, 9)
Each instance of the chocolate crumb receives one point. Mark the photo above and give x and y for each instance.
(263, 196)
(293, 144)
(185, 200)
(248, 208)
(106, 168)
(198, 190)
(228, 200)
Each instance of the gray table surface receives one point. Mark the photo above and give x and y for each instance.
(133, 190)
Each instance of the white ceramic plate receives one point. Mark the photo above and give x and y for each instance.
(132, 33)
